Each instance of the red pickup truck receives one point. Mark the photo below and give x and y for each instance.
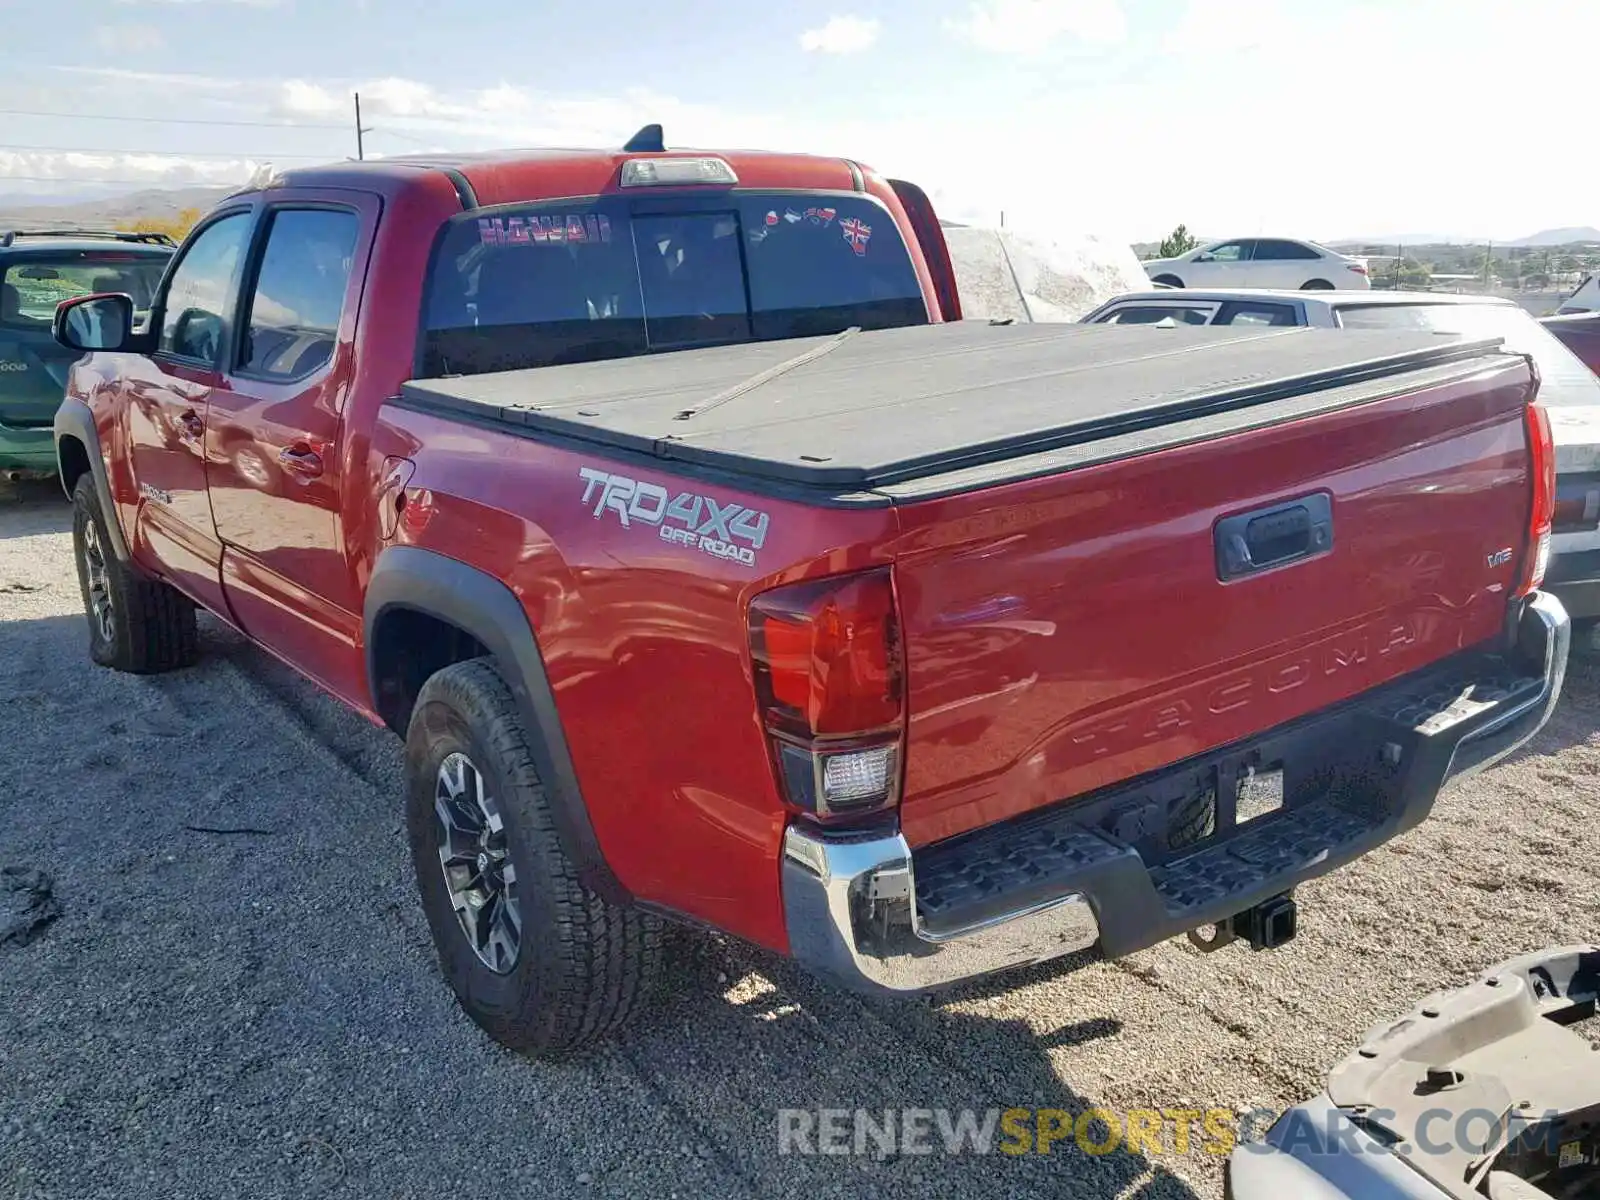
(711, 575)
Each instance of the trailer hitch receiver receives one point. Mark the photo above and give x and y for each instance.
(1266, 926)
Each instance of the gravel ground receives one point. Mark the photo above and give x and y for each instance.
(256, 1013)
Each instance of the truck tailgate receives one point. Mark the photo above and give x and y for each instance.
(1079, 628)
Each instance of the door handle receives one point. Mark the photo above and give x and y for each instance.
(191, 427)
(300, 460)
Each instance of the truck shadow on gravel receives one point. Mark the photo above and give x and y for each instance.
(799, 1046)
(30, 507)
(238, 995)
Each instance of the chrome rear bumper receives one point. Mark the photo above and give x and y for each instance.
(851, 907)
(1057, 883)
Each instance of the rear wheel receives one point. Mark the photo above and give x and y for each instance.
(1317, 285)
(1168, 280)
(135, 624)
(539, 962)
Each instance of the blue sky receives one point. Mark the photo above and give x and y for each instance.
(1116, 117)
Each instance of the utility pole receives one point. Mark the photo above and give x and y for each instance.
(360, 145)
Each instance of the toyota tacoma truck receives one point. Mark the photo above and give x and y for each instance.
(713, 573)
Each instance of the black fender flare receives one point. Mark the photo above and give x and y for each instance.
(74, 420)
(408, 577)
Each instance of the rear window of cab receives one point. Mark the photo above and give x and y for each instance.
(578, 281)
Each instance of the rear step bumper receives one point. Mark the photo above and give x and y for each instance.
(1088, 875)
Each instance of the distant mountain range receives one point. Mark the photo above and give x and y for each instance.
(99, 212)
(1545, 237)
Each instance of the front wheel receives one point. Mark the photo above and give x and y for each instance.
(136, 624)
(538, 961)
(1168, 280)
(1317, 285)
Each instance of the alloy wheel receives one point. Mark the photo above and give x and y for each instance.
(478, 872)
(101, 610)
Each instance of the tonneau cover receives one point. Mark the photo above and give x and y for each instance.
(864, 410)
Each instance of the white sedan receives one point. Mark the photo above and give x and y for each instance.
(1261, 263)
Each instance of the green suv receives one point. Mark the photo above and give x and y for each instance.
(38, 270)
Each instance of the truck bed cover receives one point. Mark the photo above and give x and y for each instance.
(887, 409)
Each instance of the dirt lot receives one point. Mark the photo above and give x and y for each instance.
(256, 1012)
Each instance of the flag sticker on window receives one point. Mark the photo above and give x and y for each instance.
(856, 233)
(571, 229)
(821, 216)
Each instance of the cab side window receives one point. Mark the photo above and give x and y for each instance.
(292, 323)
(201, 291)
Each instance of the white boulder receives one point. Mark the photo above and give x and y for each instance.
(1002, 273)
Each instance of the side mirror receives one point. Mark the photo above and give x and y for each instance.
(1200, 258)
(94, 322)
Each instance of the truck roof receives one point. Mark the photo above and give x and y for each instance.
(892, 409)
(504, 176)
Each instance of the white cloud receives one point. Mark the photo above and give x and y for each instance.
(1114, 152)
(1219, 26)
(390, 97)
(46, 171)
(163, 80)
(129, 39)
(1030, 26)
(841, 35)
(297, 98)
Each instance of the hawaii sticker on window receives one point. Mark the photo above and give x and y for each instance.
(857, 234)
(574, 229)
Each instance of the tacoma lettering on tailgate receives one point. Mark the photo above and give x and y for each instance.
(1168, 714)
(729, 531)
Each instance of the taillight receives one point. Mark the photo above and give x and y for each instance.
(830, 683)
(1358, 268)
(1542, 466)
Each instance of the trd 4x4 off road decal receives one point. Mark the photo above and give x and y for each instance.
(729, 531)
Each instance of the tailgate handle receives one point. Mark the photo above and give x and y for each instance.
(1274, 537)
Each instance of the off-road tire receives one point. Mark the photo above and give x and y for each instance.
(153, 626)
(583, 965)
